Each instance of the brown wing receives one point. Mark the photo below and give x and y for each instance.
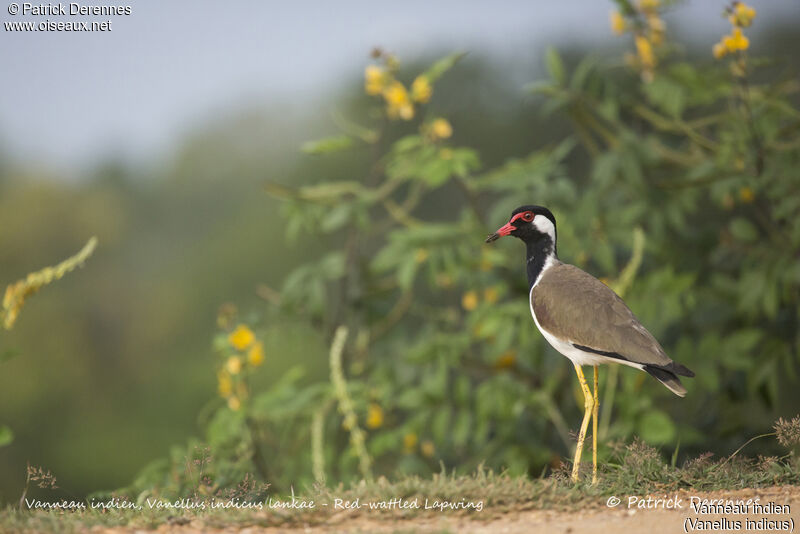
(575, 306)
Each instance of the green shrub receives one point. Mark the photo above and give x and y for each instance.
(679, 188)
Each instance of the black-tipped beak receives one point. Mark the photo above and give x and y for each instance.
(506, 229)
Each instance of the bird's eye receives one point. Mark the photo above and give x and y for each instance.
(527, 216)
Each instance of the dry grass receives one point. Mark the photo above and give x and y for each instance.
(634, 468)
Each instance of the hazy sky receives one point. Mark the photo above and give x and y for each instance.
(69, 98)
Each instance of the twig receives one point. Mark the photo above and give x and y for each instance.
(746, 443)
(317, 445)
(357, 436)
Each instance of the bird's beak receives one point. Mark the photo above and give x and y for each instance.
(502, 231)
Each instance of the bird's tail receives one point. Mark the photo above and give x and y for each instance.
(669, 378)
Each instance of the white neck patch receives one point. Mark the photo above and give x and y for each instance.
(545, 225)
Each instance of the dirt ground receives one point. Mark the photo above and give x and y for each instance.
(662, 517)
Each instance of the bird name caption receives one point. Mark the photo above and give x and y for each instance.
(762, 516)
(68, 10)
(395, 503)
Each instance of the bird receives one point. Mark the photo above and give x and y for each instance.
(583, 319)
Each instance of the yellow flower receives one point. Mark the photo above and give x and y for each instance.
(421, 89)
(742, 15)
(374, 79)
(736, 41)
(255, 356)
(719, 50)
(398, 103)
(656, 24)
(396, 94)
(410, 441)
(645, 51)
(441, 129)
(234, 403)
(618, 24)
(747, 195)
(469, 301)
(506, 360)
(234, 365)
(224, 384)
(16, 293)
(490, 295)
(374, 416)
(241, 338)
(427, 448)
(420, 255)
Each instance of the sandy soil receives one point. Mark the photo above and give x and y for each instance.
(662, 517)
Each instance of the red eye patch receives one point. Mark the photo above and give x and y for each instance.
(526, 216)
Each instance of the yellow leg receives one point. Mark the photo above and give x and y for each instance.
(587, 414)
(595, 409)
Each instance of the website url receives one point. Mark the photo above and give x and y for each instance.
(57, 26)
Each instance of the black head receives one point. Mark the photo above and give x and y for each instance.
(529, 223)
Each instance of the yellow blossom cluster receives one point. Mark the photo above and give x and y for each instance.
(380, 80)
(410, 442)
(427, 448)
(746, 196)
(471, 299)
(740, 16)
(242, 351)
(648, 28)
(374, 416)
(16, 293)
(506, 360)
(438, 129)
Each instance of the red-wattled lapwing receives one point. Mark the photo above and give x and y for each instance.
(583, 319)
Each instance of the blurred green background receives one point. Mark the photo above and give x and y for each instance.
(115, 362)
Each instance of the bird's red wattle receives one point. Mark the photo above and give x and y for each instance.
(508, 227)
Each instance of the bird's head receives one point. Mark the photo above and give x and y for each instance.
(529, 223)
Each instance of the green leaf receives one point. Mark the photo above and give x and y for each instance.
(581, 73)
(329, 144)
(743, 230)
(655, 426)
(336, 219)
(555, 66)
(407, 143)
(667, 95)
(441, 66)
(406, 272)
(6, 436)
